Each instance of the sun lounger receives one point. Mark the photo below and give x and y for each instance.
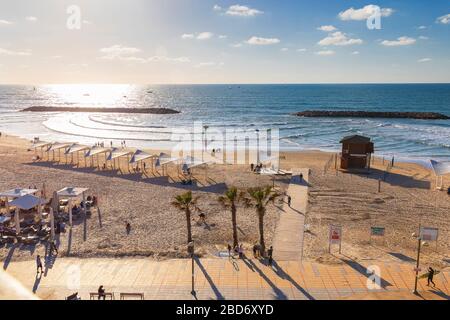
(124, 296)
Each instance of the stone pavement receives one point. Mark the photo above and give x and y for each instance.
(288, 239)
(223, 279)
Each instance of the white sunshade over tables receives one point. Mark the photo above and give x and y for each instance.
(164, 159)
(42, 145)
(71, 192)
(190, 163)
(27, 202)
(440, 168)
(18, 192)
(58, 146)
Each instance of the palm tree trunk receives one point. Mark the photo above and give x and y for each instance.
(233, 219)
(188, 221)
(261, 231)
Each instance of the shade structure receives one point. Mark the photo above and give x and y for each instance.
(76, 148)
(44, 145)
(164, 159)
(96, 150)
(440, 168)
(17, 193)
(27, 202)
(116, 153)
(57, 146)
(140, 155)
(71, 192)
(190, 163)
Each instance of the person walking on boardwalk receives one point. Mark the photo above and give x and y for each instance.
(270, 254)
(431, 273)
(39, 264)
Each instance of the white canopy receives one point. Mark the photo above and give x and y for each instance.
(117, 153)
(440, 168)
(17, 193)
(57, 146)
(70, 192)
(27, 202)
(76, 148)
(41, 144)
(96, 150)
(140, 155)
(190, 163)
(164, 159)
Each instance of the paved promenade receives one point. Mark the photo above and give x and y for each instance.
(223, 279)
(288, 240)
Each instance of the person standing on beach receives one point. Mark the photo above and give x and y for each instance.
(270, 253)
(301, 177)
(38, 264)
(128, 228)
(229, 250)
(289, 200)
(430, 276)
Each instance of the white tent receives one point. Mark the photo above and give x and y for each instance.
(141, 156)
(44, 146)
(191, 163)
(97, 151)
(116, 153)
(58, 147)
(164, 159)
(440, 169)
(76, 149)
(15, 193)
(70, 193)
(26, 202)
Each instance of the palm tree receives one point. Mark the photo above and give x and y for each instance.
(185, 202)
(228, 201)
(259, 198)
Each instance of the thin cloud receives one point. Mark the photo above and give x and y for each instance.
(259, 41)
(31, 19)
(401, 41)
(243, 11)
(364, 13)
(6, 52)
(327, 28)
(424, 60)
(325, 53)
(5, 22)
(339, 39)
(205, 35)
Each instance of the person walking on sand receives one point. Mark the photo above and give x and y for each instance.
(229, 250)
(38, 264)
(431, 273)
(270, 253)
(128, 228)
(289, 200)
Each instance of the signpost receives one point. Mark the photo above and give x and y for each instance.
(377, 232)
(335, 237)
(429, 234)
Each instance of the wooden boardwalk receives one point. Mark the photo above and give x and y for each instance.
(288, 240)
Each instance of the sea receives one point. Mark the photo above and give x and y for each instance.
(245, 108)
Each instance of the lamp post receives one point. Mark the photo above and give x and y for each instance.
(191, 251)
(419, 246)
(257, 146)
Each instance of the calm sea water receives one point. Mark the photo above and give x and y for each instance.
(244, 107)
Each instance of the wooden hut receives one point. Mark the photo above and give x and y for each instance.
(356, 152)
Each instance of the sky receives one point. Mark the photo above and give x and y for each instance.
(221, 41)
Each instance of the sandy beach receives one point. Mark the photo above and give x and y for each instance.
(407, 199)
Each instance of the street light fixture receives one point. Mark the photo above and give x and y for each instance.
(205, 144)
(191, 251)
(417, 269)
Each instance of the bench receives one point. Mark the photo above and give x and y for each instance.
(95, 295)
(124, 296)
